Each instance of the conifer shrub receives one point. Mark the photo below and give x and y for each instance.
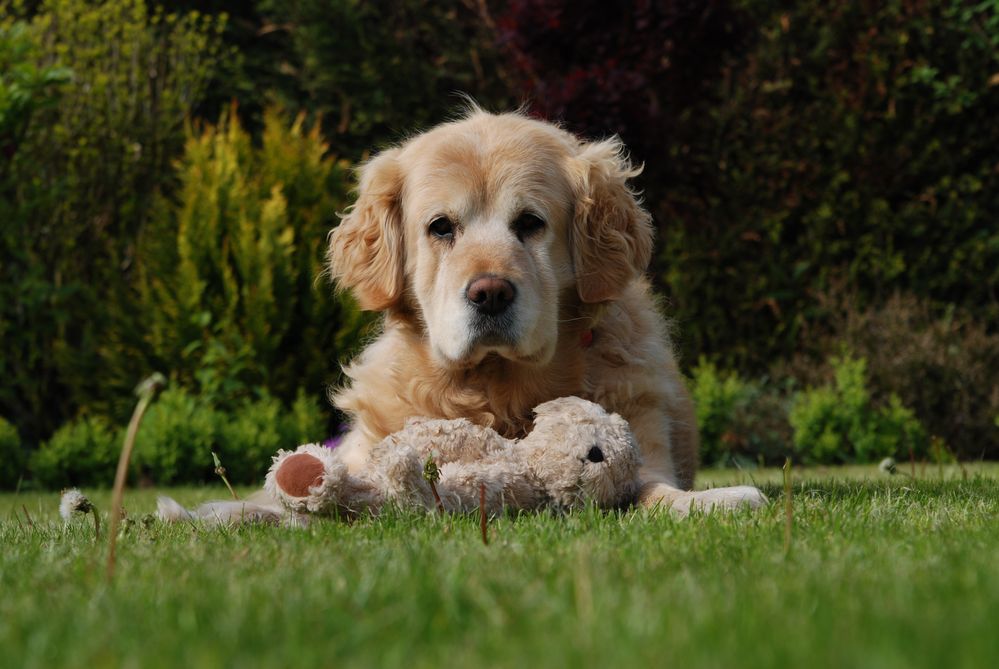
(231, 270)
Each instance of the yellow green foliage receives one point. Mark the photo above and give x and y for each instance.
(231, 288)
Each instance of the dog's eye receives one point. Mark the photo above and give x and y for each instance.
(442, 228)
(526, 225)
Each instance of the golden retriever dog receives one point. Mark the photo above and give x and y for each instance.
(507, 257)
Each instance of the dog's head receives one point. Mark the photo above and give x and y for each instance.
(482, 225)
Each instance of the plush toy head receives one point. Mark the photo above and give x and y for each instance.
(578, 451)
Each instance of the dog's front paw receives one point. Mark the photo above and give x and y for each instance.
(681, 502)
(735, 497)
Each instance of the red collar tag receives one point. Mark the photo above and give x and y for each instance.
(586, 339)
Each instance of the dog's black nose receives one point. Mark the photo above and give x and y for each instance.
(595, 455)
(490, 295)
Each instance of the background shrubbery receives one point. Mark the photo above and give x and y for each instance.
(823, 175)
(81, 452)
(94, 135)
(174, 444)
(12, 456)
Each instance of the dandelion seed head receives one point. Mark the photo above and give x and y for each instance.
(888, 466)
(73, 501)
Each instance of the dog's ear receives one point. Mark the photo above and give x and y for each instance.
(611, 233)
(366, 249)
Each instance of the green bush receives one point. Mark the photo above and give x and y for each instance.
(25, 88)
(83, 452)
(27, 305)
(77, 183)
(760, 431)
(306, 422)
(176, 439)
(942, 365)
(839, 423)
(254, 432)
(377, 71)
(847, 143)
(250, 437)
(12, 459)
(717, 397)
(181, 430)
(229, 287)
(739, 420)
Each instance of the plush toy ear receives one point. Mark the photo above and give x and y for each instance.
(611, 233)
(366, 249)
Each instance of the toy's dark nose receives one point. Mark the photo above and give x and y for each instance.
(490, 295)
(595, 455)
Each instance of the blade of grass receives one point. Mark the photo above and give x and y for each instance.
(27, 517)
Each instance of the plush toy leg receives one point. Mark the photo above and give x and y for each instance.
(315, 479)
(310, 479)
(225, 512)
(298, 473)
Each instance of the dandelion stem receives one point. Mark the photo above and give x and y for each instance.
(788, 508)
(437, 497)
(432, 474)
(483, 521)
(146, 391)
(220, 470)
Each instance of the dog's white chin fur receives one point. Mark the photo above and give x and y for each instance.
(536, 347)
(477, 354)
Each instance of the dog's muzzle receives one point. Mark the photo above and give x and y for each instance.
(490, 295)
(491, 299)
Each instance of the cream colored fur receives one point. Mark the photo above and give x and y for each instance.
(581, 272)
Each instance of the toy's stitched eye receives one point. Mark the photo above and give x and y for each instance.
(527, 224)
(441, 227)
(595, 455)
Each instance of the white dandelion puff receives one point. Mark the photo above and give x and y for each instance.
(73, 501)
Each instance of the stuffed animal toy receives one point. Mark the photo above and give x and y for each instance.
(575, 453)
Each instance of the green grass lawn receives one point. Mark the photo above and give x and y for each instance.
(883, 571)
